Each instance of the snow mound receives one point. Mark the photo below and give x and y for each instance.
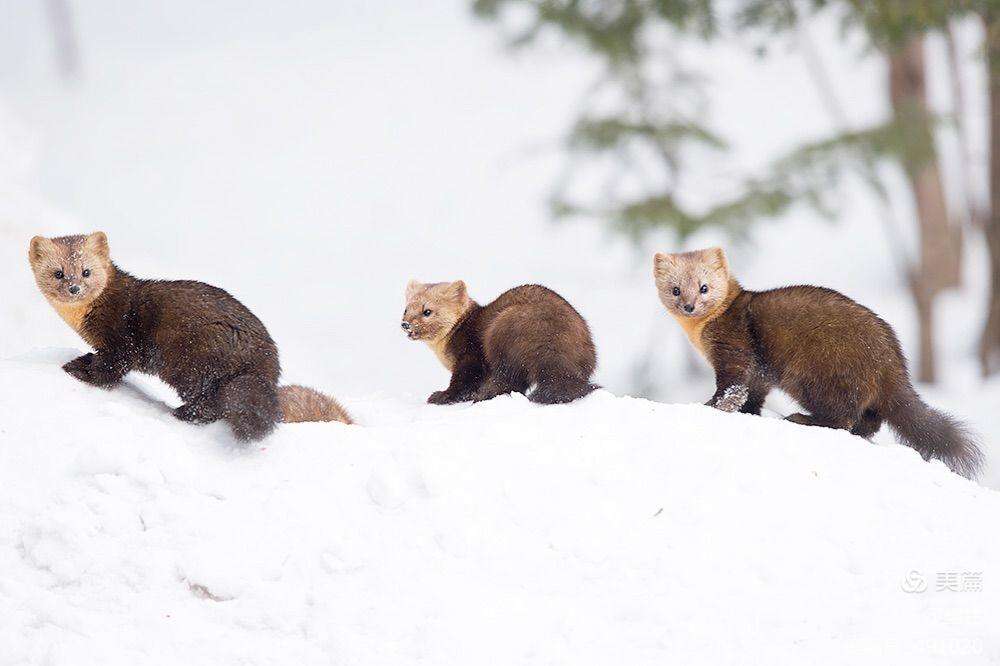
(612, 530)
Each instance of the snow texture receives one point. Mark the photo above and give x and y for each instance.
(343, 152)
(611, 530)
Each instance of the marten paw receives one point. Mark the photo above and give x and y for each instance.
(732, 399)
(80, 367)
(439, 398)
(196, 413)
(443, 398)
(93, 369)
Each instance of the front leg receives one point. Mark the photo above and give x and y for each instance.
(733, 371)
(466, 379)
(730, 399)
(79, 366)
(755, 401)
(103, 368)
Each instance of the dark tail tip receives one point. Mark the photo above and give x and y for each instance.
(935, 434)
(559, 391)
(961, 451)
(250, 404)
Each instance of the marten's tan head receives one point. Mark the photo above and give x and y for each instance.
(692, 284)
(432, 310)
(71, 270)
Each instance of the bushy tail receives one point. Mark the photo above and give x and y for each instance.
(565, 389)
(300, 403)
(935, 434)
(250, 404)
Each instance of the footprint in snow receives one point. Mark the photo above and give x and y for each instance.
(392, 484)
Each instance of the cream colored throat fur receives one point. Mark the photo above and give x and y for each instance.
(695, 326)
(440, 349)
(72, 313)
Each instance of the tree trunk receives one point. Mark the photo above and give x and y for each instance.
(989, 348)
(938, 265)
(974, 214)
(923, 300)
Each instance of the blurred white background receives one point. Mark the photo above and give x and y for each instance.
(312, 157)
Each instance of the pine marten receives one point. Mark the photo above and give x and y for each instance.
(837, 358)
(529, 336)
(197, 338)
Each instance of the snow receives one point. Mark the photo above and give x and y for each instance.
(333, 152)
(610, 530)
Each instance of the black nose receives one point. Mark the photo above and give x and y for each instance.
(689, 307)
(74, 289)
(405, 326)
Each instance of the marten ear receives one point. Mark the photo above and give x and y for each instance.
(662, 262)
(457, 291)
(97, 243)
(716, 257)
(38, 248)
(413, 288)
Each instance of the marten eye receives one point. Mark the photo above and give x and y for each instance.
(86, 273)
(60, 275)
(704, 289)
(427, 313)
(677, 291)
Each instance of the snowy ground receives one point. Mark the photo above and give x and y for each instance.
(311, 163)
(615, 530)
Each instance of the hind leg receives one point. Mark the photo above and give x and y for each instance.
(200, 393)
(832, 402)
(200, 409)
(823, 421)
(868, 424)
(249, 402)
(557, 390)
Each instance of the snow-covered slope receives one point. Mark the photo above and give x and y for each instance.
(613, 530)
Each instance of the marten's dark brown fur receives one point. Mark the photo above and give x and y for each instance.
(197, 338)
(529, 336)
(837, 358)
